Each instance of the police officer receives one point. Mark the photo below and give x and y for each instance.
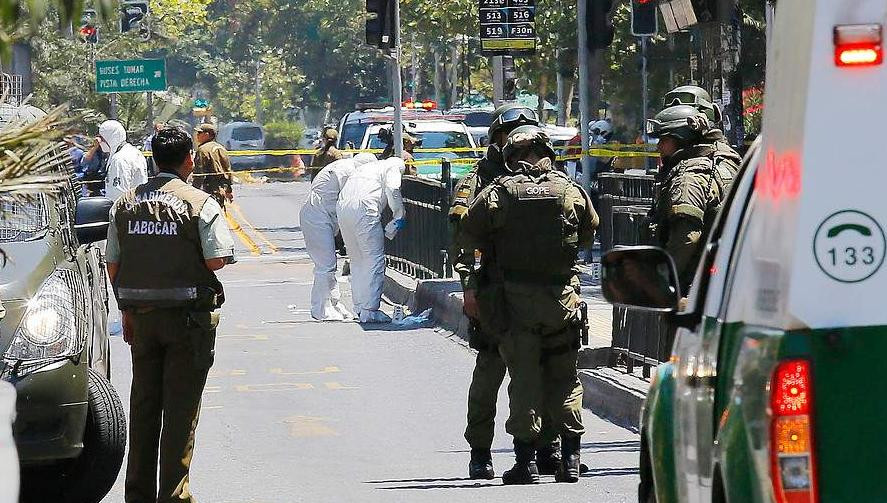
(165, 241)
(489, 369)
(327, 153)
(212, 167)
(699, 98)
(534, 220)
(694, 180)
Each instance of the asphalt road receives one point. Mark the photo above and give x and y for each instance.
(301, 411)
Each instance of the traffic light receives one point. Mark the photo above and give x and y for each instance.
(643, 18)
(380, 29)
(598, 25)
(89, 30)
(133, 16)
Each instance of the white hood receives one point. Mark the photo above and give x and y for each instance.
(113, 133)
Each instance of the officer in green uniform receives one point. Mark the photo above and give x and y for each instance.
(534, 220)
(489, 369)
(326, 154)
(699, 98)
(692, 184)
(212, 167)
(165, 241)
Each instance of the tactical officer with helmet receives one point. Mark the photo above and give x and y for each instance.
(534, 220)
(489, 369)
(165, 242)
(699, 98)
(693, 181)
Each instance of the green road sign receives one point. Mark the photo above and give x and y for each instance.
(130, 76)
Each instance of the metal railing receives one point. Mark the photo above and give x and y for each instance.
(420, 249)
(639, 337)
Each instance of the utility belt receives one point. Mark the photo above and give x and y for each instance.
(194, 298)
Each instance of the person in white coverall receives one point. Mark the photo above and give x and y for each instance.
(319, 227)
(362, 200)
(127, 167)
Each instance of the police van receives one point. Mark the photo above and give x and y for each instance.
(773, 389)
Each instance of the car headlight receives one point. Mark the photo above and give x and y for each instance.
(49, 328)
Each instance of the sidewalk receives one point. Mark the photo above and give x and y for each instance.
(608, 392)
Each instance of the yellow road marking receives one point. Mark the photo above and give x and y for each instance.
(244, 337)
(211, 407)
(227, 373)
(326, 370)
(281, 386)
(212, 389)
(335, 385)
(249, 224)
(244, 238)
(304, 426)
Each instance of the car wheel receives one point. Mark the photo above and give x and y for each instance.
(89, 477)
(104, 442)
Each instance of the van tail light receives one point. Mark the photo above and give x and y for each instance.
(792, 463)
(858, 45)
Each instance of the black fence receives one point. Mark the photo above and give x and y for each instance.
(420, 249)
(639, 338)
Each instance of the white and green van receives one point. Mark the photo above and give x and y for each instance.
(773, 389)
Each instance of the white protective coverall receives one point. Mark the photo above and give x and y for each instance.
(319, 227)
(127, 167)
(362, 200)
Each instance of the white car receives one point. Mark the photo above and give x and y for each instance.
(443, 132)
(239, 136)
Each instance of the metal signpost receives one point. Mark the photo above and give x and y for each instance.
(130, 76)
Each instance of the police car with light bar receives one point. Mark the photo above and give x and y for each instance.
(773, 389)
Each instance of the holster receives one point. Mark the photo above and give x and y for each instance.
(202, 333)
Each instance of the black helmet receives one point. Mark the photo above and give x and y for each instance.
(682, 122)
(523, 140)
(696, 97)
(507, 117)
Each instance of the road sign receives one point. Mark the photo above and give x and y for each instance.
(130, 76)
(507, 26)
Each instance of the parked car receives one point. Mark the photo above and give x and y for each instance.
(241, 136)
(353, 125)
(70, 426)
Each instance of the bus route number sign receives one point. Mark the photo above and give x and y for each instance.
(507, 26)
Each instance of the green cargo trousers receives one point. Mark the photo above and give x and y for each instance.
(544, 383)
(489, 372)
(171, 356)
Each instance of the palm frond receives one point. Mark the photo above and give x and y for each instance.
(32, 154)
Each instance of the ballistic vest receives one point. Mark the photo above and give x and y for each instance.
(537, 244)
(162, 263)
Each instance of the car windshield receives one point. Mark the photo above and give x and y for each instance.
(248, 133)
(22, 220)
(352, 133)
(435, 139)
(478, 119)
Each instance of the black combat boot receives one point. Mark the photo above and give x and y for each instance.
(548, 458)
(570, 466)
(524, 470)
(481, 465)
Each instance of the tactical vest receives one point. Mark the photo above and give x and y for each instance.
(162, 263)
(537, 243)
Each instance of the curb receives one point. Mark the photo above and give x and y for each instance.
(613, 395)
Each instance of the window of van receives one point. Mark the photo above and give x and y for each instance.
(246, 133)
(352, 133)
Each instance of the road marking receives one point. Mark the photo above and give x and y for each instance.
(244, 238)
(305, 426)
(212, 389)
(326, 370)
(249, 224)
(336, 385)
(227, 373)
(281, 386)
(211, 407)
(244, 337)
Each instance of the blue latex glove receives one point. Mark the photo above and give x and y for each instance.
(400, 223)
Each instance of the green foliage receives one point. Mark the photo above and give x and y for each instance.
(283, 134)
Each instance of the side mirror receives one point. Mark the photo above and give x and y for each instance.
(92, 218)
(642, 277)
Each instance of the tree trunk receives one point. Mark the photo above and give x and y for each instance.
(454, 75)
(542, 91)
(438, 77)
(570, 85)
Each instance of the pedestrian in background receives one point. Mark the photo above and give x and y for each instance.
(212, 167)
(327, 153)
(362, 201)
(320, 225)
(165, 241)
(127, 168)
(146, 147)
(535, 220)
(94, 167)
